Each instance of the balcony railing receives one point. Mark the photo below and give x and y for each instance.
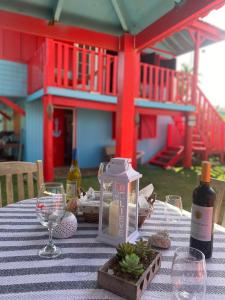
(83, 69)
(68, 66)
(165, 85)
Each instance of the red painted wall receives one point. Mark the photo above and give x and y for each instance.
(16, 46)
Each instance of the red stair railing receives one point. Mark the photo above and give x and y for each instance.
(210, 125)
(164, 85)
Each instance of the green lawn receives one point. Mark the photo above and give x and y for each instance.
(174, 181)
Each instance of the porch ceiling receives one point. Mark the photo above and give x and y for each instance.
(181, 42)
(109, 16)
(114, 17)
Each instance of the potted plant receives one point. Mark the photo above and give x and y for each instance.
(129, 272)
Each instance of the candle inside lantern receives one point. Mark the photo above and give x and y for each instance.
(114, 218)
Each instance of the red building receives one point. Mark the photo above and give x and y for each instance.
(117, 61)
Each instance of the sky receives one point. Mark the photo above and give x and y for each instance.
(212, 63)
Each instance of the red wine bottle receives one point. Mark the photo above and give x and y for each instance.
(202, 215)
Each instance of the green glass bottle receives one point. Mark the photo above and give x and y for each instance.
(73, 182)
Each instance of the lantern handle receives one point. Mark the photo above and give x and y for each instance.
(111, 166)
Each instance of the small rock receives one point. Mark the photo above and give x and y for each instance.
(160, 240)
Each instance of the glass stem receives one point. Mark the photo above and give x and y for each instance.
(50, 241)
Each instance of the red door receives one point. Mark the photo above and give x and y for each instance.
(58, 137)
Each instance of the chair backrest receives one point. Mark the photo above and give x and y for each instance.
(219, 187)
(26, 173)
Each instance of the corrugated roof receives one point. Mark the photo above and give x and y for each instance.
(181, 42)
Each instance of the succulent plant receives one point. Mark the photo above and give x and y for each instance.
(143, 249)
(131, 265)
(125, 249)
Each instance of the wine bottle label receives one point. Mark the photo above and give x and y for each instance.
(71, 189)
(201, 223)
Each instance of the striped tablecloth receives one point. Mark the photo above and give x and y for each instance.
(24, 275)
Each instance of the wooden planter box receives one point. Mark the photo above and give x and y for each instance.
(124, 288)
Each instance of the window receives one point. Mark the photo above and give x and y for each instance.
(147, 127)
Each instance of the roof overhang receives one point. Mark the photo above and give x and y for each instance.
(12, 105)
(154, 22)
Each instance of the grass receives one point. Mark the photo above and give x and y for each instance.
(173, 181)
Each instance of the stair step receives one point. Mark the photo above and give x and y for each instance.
(173, 148)
(169, 152)
(165, 156)
(197, 139)
(199, 148)
(198, 142)
(159, 159)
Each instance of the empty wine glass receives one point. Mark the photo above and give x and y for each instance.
(102, 169)
(188, 274)
(50, 209)
(173, 208)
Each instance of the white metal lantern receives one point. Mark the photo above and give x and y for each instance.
(118, 213)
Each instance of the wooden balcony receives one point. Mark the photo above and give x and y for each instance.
(62, 65)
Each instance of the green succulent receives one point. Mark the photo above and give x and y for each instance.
(125, 249)
(142, 249)
(131, 265)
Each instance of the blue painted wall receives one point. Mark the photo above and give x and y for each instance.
(152, 146)
(33, 133)
(13, 79)
(94, 132)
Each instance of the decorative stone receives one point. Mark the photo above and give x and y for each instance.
(160, 240)
(67, 227)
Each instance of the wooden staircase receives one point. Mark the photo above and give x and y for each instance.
(198, 144)
(168, 157)
(208, 135)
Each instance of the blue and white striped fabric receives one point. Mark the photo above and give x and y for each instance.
(24, 275)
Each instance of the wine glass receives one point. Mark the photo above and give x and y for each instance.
(173, 208)
(188, 274)
(50, 209)
(102, 169)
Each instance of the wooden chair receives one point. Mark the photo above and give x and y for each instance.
(219, 187)
(25, 172)
(110, 153)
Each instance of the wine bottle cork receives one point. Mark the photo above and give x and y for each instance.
(206, 171)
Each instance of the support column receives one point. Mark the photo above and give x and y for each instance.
(49, 64)
(190, 118)
(48, 137)
(189, 122)
(128, 64)
(197, 39)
